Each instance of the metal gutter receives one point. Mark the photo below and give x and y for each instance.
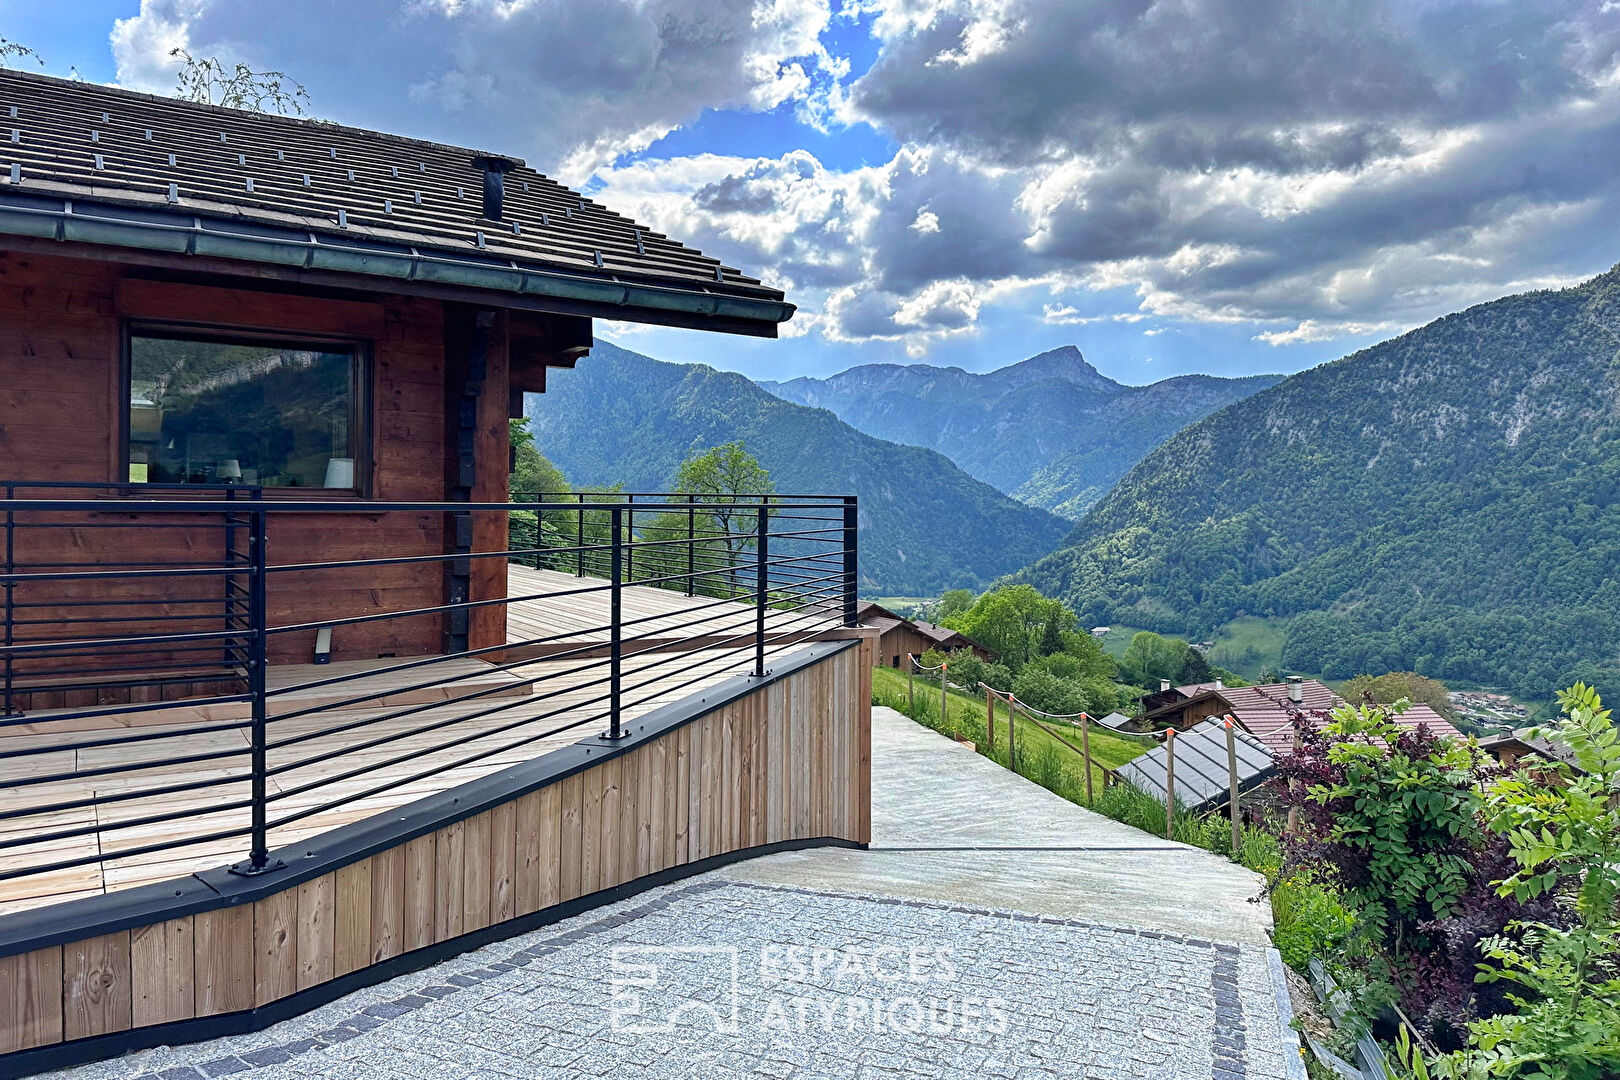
(186, 233)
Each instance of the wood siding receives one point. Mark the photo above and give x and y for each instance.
(788, 761)
(62, 404)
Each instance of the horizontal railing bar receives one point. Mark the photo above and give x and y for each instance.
(68, 864)
(131, 823)
(99, 798)
(287, 793)
(412, 710)
(380, 506)
(119, 740)
(124, 575)
(139, 639)
(110, 770)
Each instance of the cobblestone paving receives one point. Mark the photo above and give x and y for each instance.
(722, 977)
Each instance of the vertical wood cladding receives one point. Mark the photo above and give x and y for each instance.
(786, 762)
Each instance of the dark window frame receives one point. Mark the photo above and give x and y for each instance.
(360, 380)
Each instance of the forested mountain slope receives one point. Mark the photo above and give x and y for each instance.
(1052, 430)
(926, 526)
(1448, 502)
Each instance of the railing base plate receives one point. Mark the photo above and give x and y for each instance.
(245, 868)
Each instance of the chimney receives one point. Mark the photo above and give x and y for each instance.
(1218, 684)
(1296, 689)
(494, 169)
(1164, 684)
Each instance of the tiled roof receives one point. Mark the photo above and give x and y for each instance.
(1268, 714)
(81, 141)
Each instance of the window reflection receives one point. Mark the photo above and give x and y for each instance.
(225, 412)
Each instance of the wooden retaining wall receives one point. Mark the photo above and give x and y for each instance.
(744, 766)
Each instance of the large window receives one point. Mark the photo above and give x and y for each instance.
(223, 410)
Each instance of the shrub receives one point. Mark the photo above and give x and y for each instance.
(1311, 920)
(1038, 687)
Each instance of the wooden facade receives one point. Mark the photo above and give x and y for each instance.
(63, 398)
(786, 763)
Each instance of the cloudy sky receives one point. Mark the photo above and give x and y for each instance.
(1230, 186)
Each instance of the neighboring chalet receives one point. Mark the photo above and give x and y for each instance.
(293, 698)
(1510, 748)
(1266, 712)
(903, 636)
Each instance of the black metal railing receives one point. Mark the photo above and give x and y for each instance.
(147, 701)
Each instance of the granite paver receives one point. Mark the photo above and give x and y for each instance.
(861, 965)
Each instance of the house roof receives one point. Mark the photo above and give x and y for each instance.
(101, 165)
(1203, 774)
(886, 620)
(1528, 743)
(1268, 713)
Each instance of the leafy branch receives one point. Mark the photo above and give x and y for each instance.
(209, 81)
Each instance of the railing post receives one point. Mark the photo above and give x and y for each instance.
(761, 587)
(911, 685)
(258, 860)
(630, 539)
(850, 566)
(691, 548)
(579, 539)
(615, 620)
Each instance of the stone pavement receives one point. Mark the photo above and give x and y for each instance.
(993, 930)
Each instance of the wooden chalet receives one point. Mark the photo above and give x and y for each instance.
(1267, 712)
(902, 636)
(294, 697)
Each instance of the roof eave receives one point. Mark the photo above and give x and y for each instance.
(505, 283)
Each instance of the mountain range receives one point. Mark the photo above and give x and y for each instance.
(1447, 502)
(1051, 430)
(926, 526)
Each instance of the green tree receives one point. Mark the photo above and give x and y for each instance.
(954, 602)
(1194, 668)
(722, 478)
(1151, 657)
(1390, 688)
(532, 474)
(1010, 621)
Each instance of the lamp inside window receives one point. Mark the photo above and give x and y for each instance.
(256, 412)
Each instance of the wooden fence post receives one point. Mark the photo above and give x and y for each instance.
(990, 717)
(943, 689)
(1232, 778)
(911, 683)
(1012, 730)
(1169, 783)
(1085, 748)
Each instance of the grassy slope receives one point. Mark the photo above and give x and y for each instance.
(967, 718)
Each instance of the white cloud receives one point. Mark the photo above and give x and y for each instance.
(568, 85)
(1358, 167)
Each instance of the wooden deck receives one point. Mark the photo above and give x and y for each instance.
(563, 692)
(537, 693)
(660, 615)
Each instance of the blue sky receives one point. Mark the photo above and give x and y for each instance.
(1204, 186)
